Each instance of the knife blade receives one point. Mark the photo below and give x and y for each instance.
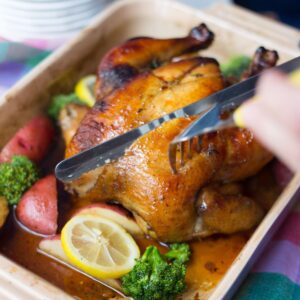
(90, 159)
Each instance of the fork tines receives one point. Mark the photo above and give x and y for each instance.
(183, 151)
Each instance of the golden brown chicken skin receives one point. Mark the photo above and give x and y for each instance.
(225, 209)
(147, 97)
(137, 55)
(164, 203)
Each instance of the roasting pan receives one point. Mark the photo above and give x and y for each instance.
(237, 32)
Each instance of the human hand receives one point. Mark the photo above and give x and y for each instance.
(274, 117)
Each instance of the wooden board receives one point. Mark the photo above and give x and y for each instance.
(237, 32)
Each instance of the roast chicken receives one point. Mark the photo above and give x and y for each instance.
(142, 80)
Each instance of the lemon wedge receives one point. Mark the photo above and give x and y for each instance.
(84, 90)
(99, 246)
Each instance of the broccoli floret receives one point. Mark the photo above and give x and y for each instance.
(16, 177)
(179, 252)
(235, 66)
(59, 102)
(157, 276)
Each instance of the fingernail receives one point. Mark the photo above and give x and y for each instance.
(294, 77)
(238, 117)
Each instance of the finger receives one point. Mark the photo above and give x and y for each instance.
(273, 134)
(281, 98)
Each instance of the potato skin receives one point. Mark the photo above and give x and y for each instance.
(37, 208)
(33, 140)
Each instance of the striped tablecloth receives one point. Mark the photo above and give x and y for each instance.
(277, 273)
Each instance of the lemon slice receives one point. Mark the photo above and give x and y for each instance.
(98, 246)
(84, 90)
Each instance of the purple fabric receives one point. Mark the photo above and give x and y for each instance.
(10, 72)
(281, 257)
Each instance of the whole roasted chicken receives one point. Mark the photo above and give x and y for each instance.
(142, 80)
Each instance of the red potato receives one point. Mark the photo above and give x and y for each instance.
(37, 208)
(114, 213)
(33, 140)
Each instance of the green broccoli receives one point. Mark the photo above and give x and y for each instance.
(179, 252)
(16, 177)
(157, 276)
(235, 66)
(59, 102)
